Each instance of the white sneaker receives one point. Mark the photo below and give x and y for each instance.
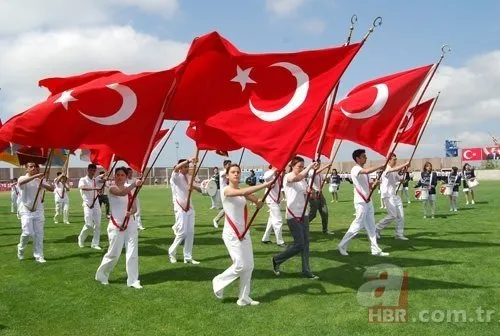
(172, 259)
(66, 222)
(216, 225)
(20, 254)
(136, 285)
(247, 302)
(212, 207)
(380, 254)
(401, 238)
(40, 260)
(103, 282)
(425, 216)
(343, 251)
(81, 244)
(467, 203)
(455, 210)
(451, 209)
(141, 228)
(55, 221)
(191, 261)
(409, 202)
(472, 202)
(96, 247)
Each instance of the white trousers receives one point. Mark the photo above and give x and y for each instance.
(395, 213)
(241, 253)
(117, 240)
(216, 199)
(62, 204)
(92, 219)
(32, 226)
(137, 215)
(365, 219)
(274, 222)
(184, 231)
(13, 202)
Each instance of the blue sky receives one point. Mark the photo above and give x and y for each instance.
(154, 34)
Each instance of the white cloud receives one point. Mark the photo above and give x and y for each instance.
(474, 139)
(25, 15)
(283, 8)
(314, 26)
(36, 55)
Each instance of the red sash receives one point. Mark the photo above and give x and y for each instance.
(233, 226)
(125, 222)
(367, 200)
(293, 215)
(94, 197)
(277, 201)
(186, 209)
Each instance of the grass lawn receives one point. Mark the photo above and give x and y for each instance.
(452, 264)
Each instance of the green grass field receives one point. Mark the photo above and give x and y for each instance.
(452, 264)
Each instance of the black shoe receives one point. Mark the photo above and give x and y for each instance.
(312, 276)
(276, 267)
(266, 242)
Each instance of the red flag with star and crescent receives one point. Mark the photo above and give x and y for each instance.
(417, 116)
(209, 138)
(372, 112)
(264, 102)
(120, 110)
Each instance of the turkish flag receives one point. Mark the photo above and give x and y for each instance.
(102, 155)
(3, 144)
(264, 102)
(209, 138)
(119, 110)
(371, 113)
(472, 154)
(417, 116)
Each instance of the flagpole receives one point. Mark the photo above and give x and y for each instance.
(376, 23)
(241, 156)
(420, 136)
(333, 95)
(195, 163)
(106, 176)
(45, 172)
(444, 49)
(201, 162)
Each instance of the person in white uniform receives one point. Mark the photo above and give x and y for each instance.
(184, 212)
(239, 246)
(365, 215)
(122, 232)
(296, 190)
(14, 195)
(137, 216)
(216, 198)
(273, 201)
(89, 186)
(223, 183)
(31, 210)
(392, 201)
(61, 190)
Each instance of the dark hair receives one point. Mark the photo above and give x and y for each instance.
(357, 153)
(465, 166)
(36, 164)
(91, 166)
(334, 170)
(295, 160)
(128, 169)
(101, 172)
(393, 155)
(123, 169)
(425, 164)
(231, 166)
(181, 160)
(58, 173)
(226, 162)
(455, 169)
(270, 167)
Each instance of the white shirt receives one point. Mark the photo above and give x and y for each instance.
(180, 191)
(295, 193)
(361, 184)
(88, 196)
(389, 183)
(222, 179)
(318, 180)
(13, 190)
(234, 207)
(27, 194)
(59, 192)
(274, 194)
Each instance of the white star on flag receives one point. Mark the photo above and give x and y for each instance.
(65, 98)
(243, 77)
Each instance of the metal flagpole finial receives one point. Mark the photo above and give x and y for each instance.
(354, 19)
(445, 49)
(377, 22)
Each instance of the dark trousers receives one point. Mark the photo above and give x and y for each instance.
(320, 205)
(104, 199)
(300, 233)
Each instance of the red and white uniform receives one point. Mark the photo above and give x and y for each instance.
(295, 193)
(32, 222)
(365, 215)
(184, 216)
(61, 200)
(392, 201)
(275, 221)
(241, 251)
(118, 239)
(91, 210)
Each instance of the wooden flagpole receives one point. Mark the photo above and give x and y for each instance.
(46, 171)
